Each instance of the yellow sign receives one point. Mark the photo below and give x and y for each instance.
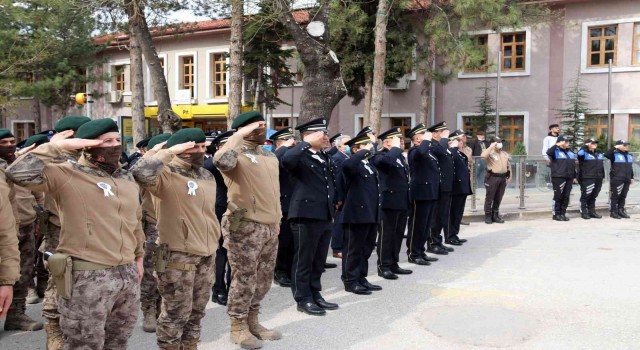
(188, 112)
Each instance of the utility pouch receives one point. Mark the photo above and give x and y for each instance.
(161, 257)
(236, 216)
(61, 268)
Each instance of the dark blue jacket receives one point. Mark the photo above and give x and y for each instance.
(394, 178)
(286, 181)
(338, 158)
(362, 201)
(221, 188)
(314, 188)
(621, 164)
(563, 162)
(461, 176)
(440, 149)
(425, 173)
(591, 164)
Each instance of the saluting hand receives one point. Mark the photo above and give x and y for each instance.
(74, 144)
(493, 145)
(446, 133)
(159, 146)
(288, 143)
(25, 150)
(427, 136)
(61, 135)
(395, 142)
(181, 147)
(315, 139)
(246, 130)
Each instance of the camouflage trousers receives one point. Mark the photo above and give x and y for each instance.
(103, 308)
(184, 297)
(252, 250)
(27, 247)
(50, 302)
(149, 294)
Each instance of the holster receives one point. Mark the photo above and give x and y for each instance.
(161, 257)
(236, 216)
(61, 269)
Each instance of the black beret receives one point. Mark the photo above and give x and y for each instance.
(186, 135)
(71, 122)
(5, 133)
(143, 143)
(246, 118)
(282, 134)
(319, 124)
(437, 127)
(95, 128)
(393, 132)
(333, 138)
(418, 129)
(36, 140)
(223, 137)
(158, 139)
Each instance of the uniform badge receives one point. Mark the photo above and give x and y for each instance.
(315, 156)
(252, 157)
(399, 162)
(366, 166)
(106, 188)
(193, 186)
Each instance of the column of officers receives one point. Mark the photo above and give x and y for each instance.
(192, 220)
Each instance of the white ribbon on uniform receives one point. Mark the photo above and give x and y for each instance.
(106, 188)
(193, 186)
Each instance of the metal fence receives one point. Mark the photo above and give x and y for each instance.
(530, 186)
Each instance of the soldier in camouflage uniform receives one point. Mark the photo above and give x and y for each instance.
(51, 238)
(25, 215)
(149, 295)
(184, 195)
(251, 174)
(9, 253)
(100, 232)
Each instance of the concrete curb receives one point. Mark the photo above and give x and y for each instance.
(534, 214)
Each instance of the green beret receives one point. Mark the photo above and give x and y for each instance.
(36, 140)
(247, 118)
(71, 122)
(95, 128)
(5, 134)
(186, 135)
(158, 139)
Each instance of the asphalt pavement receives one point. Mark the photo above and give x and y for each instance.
(528, 284)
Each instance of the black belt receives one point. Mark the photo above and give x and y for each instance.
(497, 175)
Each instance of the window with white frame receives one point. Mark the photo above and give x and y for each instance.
(636, 44)
(514, 46)
(24, 129)
(218, 75)
(118, 77)
(602, 45)
(187, 74)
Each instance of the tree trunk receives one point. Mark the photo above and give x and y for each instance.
(368, 86)
(379, 60)
(38, 114)
(235, 60)
(425, 70)
(168, 119)
(137, 84)
(322, 81)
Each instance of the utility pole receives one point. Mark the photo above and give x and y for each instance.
(609, 131)
(498, 93)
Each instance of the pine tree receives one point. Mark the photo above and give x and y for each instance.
(265, 62)
(519, 149)
(485, 120)
(572, 116)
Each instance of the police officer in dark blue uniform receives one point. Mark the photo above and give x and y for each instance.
(621, 177)
(590, 175)
(440, 149)
(460, 190)
(222, 280)
(310, 214)
(360, 214)
(334, 148)
(423, 192)
(337, 234)
(393, 171)
(563, 173)
(283, 140)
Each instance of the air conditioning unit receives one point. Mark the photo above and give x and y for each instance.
(183, 95)
(401, 84)
(113, 97)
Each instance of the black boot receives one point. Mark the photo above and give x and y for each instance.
(557, 218)
(488, 219)
(496, 217)
(593, 213)
(584, 212)
(623, 213)
(614, 211)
